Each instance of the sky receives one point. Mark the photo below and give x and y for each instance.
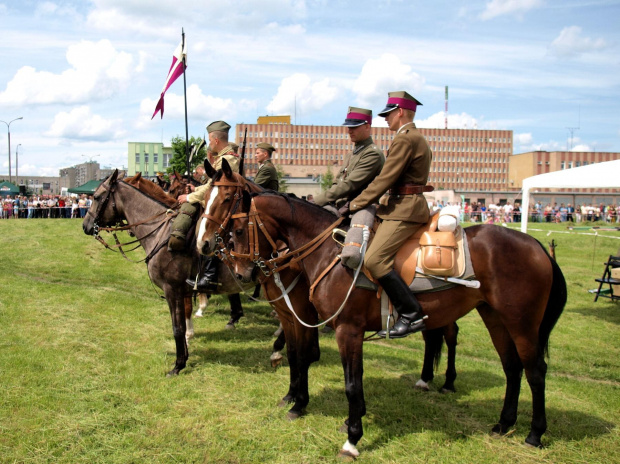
(86, 75)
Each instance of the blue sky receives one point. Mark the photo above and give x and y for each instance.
(86, 75)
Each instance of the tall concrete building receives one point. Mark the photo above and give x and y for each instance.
(147, 158)
(464, 159)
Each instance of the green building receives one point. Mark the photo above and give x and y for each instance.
(148, 158)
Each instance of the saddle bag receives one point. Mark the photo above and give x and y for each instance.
(438, 253)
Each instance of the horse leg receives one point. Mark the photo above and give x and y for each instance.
(236, 310)
(176, 304)
(450, 335)
(306, 352)
(351, 354)
(433, 343)
(189, 325)
(203, 301)
(535, 373)
(278, 345)
(513, 368)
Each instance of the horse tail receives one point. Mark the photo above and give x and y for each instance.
(555, 305)
(434, 345)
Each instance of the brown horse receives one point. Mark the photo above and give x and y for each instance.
(303, 349)
(148, 211)
(521, 296)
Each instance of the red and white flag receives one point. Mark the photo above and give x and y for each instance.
(176, 69)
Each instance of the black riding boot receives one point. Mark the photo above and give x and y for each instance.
(208, 282)
(405, 303)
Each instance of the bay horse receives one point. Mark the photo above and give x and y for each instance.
(148, 210)
(521, 296)
(303, 349)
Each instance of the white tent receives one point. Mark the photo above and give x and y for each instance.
(598, 175)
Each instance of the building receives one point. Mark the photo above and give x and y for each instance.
(464, 159)
(149, 158)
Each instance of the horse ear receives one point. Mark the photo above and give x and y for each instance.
(209, 170)
(138, 176)
(246, 199)
(226, 169)
(114, 176)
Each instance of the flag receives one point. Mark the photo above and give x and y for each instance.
(176, 69)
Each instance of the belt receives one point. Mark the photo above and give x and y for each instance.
(410, 189)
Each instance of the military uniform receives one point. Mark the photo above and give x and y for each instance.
(198, 195)
(267, 176)
(403, 179)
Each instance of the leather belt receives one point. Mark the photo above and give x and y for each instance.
(410, 189)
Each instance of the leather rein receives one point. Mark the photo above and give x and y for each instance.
(109, 195)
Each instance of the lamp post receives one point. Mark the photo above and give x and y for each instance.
(17, 163)
(8, 131)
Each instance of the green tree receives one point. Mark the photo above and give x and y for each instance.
(327, 179)
(178, 162)
(282, 187)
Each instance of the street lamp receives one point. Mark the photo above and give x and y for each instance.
(17, 163)
(8, 131)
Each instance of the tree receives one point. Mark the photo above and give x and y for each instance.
(282, 187)
(327, 179)
(178, 162)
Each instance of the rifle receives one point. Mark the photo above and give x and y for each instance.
(245, 136)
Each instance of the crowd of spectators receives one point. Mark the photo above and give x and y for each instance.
(506, 213)
(44, 206)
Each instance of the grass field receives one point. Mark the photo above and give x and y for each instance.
(85, 342)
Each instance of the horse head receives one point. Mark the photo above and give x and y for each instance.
(102, 211)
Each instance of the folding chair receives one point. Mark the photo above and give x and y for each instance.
(611, 277)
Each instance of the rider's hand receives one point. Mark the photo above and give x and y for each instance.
(344, 210)
(182, 199)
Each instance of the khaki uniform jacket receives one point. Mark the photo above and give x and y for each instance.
(198, 195)
(361, 166)
(267, 176)
(408, 162)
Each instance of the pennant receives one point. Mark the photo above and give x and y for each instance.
(176, 69)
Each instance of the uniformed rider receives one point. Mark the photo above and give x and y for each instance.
(360, 166)
(403, 210)
(267, 175)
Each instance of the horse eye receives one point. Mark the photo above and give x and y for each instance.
(238, 232)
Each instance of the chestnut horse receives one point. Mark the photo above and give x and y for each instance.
(521, 296)
(148, 210)
(303, 348)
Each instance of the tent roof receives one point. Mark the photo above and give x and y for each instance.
(598, 175)
(7, 188)
(88, 188)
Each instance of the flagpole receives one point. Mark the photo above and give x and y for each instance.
(189, 172)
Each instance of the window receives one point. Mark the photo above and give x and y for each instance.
(137, 159)
(155, 158)
(146, 159)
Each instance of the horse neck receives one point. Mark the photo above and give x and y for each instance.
(135, 207)
(297, 228)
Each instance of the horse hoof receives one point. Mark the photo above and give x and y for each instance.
(275, 363)
(198, 314)
(447, 390)
(293, 415)
(533, 442)
(346, 456)
(421, 385)
(284, 402)
(173, 373)
(230, 326)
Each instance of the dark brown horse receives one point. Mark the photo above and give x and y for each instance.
(521, 296)
(303, 348)
(148, 211)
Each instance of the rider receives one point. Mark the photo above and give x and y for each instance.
(218, 142)
(402, 179)
(360, 166)
(267, 175)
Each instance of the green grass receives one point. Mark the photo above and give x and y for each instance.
(85, 342)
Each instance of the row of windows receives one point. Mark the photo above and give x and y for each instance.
(463, 159)
(443, 138)
(461, 180)
(571, 164)
(344, 135)
(467, 169)
(139, 161)
(471, 149)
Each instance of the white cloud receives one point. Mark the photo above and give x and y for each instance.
(299, 93)
(523, 139)
(98, 71)
(455, 121)
(81, 123)
(496, 8)
(582, 147)
(382, 75)
(571, 43)
(47, 8)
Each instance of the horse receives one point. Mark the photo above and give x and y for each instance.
(148, 210)
(227, 186)
(521, 296)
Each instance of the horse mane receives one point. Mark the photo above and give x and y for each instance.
(150, 189)
(293, 199)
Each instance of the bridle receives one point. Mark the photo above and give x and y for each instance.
(110, 190)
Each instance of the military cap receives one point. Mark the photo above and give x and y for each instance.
(234, 146)
(399, 99)
(357, 117)
(266, 146)
(218, 126)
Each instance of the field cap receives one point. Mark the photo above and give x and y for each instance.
(218, 126)
(399, 99)
(357, 117)
(266, 146)
(234, 146)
